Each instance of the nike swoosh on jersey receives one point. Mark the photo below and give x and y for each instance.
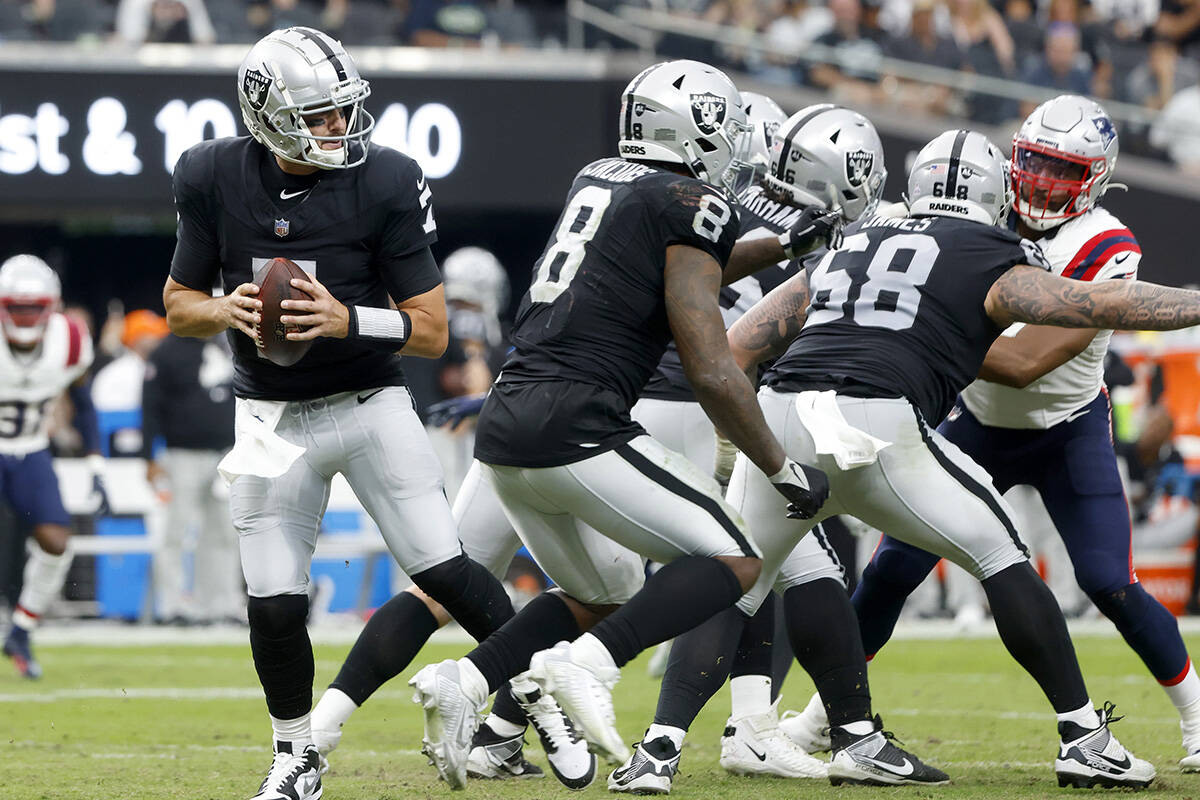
(362, 398)
(286, 195)
(1120, 258)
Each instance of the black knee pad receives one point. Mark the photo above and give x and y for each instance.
(279, 616)
(472, 595)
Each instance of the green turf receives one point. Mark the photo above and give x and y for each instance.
(188, 722)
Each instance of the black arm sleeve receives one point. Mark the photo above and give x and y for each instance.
(197, 262)
(410, 274)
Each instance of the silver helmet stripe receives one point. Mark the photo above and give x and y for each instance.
(316, 38)
(785, 150)
(955, 158)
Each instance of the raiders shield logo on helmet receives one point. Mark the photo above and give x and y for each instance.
(255, 86)
(708, 111)
(858, 166)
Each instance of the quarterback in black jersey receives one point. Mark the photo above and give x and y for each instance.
(837, 149)
(306, 186)
(880, 338)
(635, 259)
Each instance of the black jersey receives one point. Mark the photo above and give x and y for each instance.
(898, 311)
(350, 231)
(760, 216)
(593, 324)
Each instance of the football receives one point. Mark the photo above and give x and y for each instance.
(274, 287)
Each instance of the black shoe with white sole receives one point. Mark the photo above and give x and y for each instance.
(293, 776)
(873, 759)
(648, 770)
(1094, 757)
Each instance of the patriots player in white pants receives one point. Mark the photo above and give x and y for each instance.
(1040, 413)
(868, 369)
(44, 354)
(307, 186)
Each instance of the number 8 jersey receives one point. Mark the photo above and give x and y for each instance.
(593, 325)
(898, 311)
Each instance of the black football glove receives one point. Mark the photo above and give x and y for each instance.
(452, 412)
(806, 488)
(815, 228)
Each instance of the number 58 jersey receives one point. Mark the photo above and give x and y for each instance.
(898, 311)
(595, 316)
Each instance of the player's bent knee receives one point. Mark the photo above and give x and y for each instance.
(277, 617)
(435, 608)
(1125, 606)
(52, 539)
(745, 568)
(586, 614)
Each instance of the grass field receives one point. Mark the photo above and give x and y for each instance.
(188, 721)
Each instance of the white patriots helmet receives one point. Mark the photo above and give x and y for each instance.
(686, 112)
(1062, 160)
(764, 117)
(830, 157)
(294, 72)
(473, 275)
(30, 293)
(960, 174)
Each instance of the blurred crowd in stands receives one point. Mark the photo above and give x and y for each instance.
(1142, 52)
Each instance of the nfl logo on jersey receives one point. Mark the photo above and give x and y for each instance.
(282, 226)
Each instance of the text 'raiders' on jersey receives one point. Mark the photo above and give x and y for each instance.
(593, 325)
(898, 311)
(350, 232)
(760, 217)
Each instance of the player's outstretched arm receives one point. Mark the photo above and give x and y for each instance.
(815, 228)
(191, 312)
(1030, 294)
(693, 281)
(769, 327)
(1035, 350)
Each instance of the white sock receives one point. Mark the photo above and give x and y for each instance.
(44, 578)
(656, 731)
(587, 649)
(859, 727)
(333, 710)
(814, 712)
(1085, 716)
(473, 683)
(503, 727)
(1186, 694)
(298, 731)
(749, 695)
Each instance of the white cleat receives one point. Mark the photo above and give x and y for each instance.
(325, 739)
(649, 770)
(451, 719)
(1190, 762)
(809, 728)
(566, 751)
(755, 745)
(1088, 758)
(585, 693)
(656, 667)
(496, 757)
(874, 759)
(1191, 746)
(292, 777)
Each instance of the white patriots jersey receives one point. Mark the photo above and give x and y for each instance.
(30, 383)
(1094, 246)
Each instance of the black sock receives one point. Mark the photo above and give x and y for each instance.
(698, 667)
(469, 593)
(825, 638)
(754, 647)
(1032, 627)
(675, 599)
(506, 708)
(282, 653)
(782, 657)
(544, 622)
(390, 641)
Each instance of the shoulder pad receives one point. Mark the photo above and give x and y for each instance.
(1091, 241)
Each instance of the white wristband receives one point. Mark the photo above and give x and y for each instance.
(388, 327)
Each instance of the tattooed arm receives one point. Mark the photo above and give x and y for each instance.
(770, 326)
(1030, 294)
(693, 281)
